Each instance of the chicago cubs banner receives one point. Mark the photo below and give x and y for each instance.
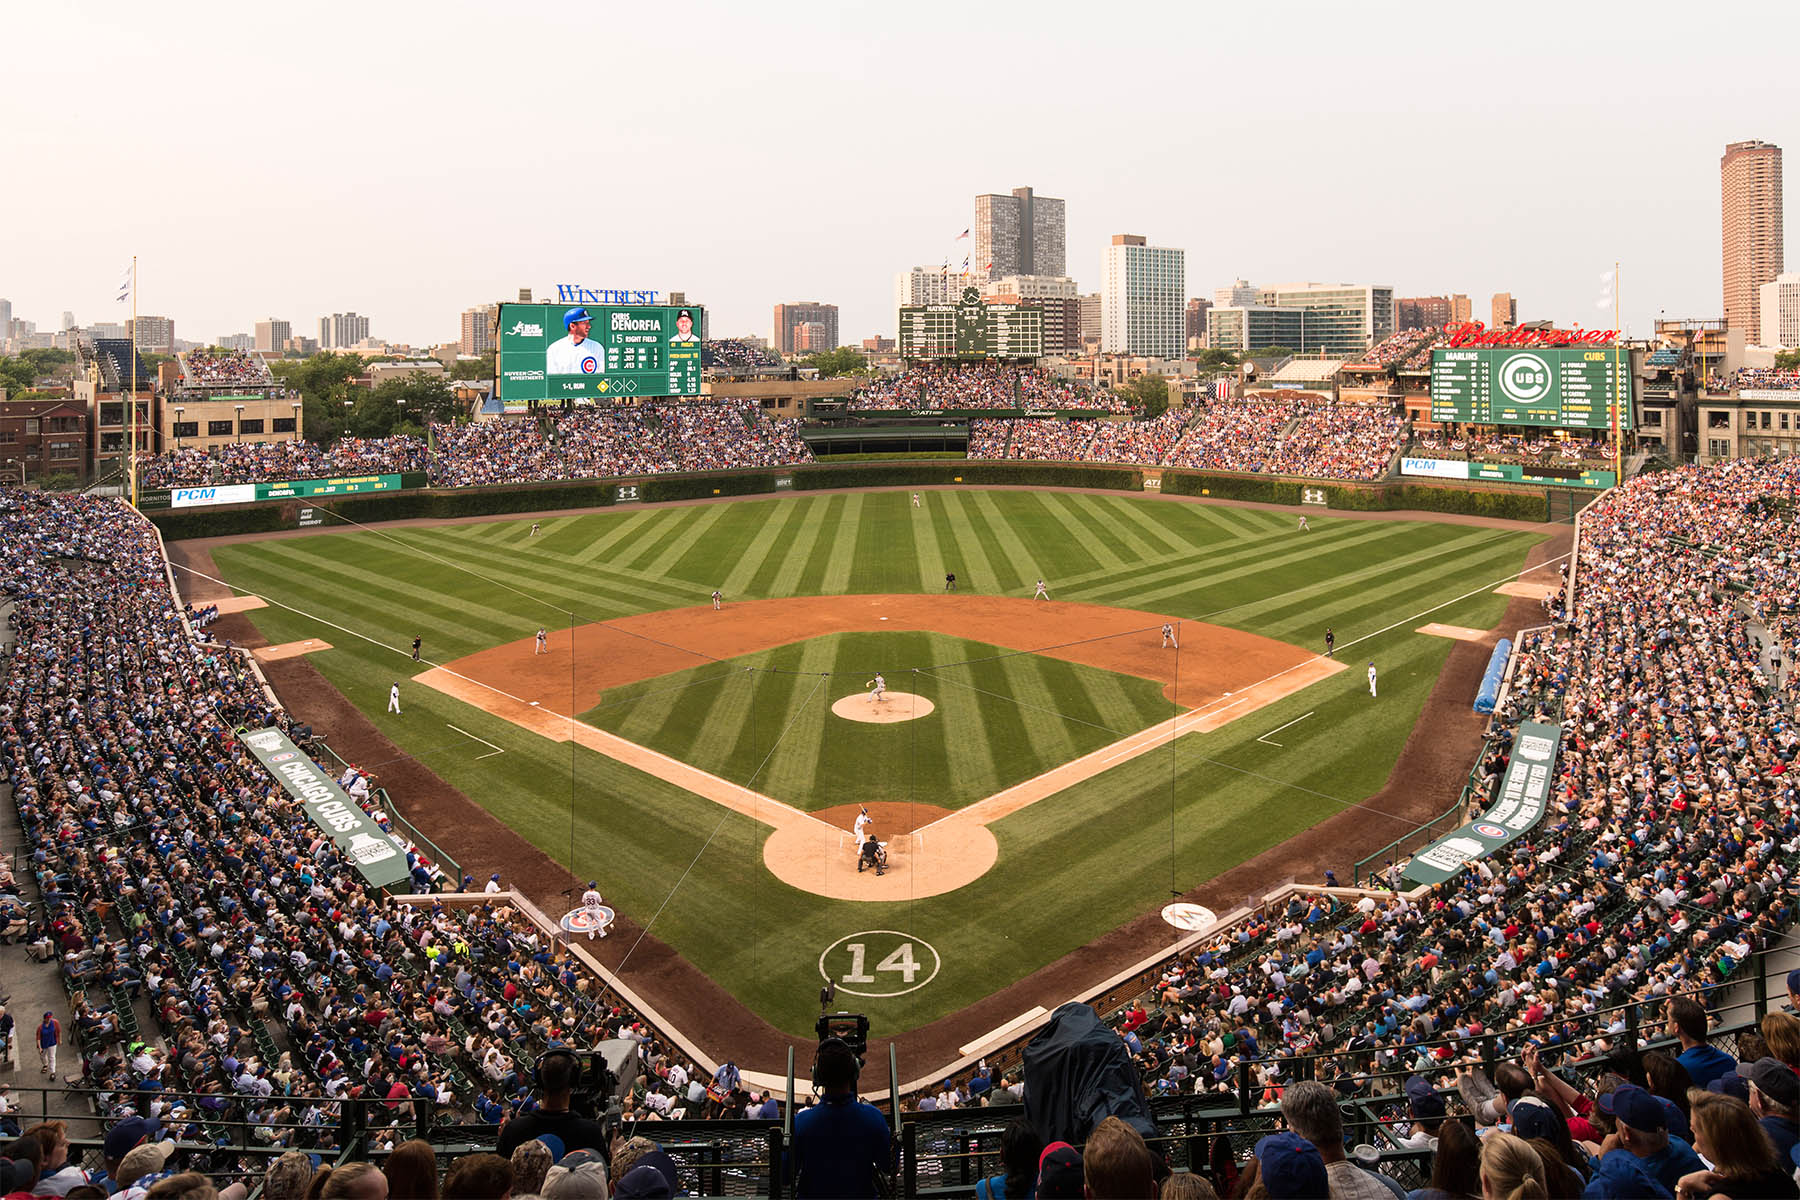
(373, 852)
(1524, 797)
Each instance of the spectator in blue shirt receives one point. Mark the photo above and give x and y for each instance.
(1704, 1063)
(1642, 1144)
(840, 1144)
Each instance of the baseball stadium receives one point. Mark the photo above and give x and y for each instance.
(1318, 734)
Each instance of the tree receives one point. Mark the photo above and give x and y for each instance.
(845, 360)
(1788, 360)
(1211, 359)
(1147, 392)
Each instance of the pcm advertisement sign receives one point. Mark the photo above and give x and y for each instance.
(598, 353)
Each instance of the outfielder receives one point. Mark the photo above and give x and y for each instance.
(576, 354)
(915, 499)
(543, 642)
(877, 689)
(534, 529)
(1371, 679)
(1169, 636)
(1042, 593)
(718, 600)
(394, 699)
(590, 900)
(1303, 525)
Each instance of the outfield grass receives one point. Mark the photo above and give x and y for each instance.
(999, 718)
(1072, 867)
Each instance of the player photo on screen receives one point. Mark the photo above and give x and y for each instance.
(576, 353)
(684, 328)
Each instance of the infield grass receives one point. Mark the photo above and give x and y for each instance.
(1072, 866)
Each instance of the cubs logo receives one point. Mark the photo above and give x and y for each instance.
(584, 920)
(282, 757)
(589, 366)
(1487, 830)
(267, 739)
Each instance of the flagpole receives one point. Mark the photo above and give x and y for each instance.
(133, 396)
(1618, 381)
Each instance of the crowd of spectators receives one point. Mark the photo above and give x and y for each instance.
(1771, 378)
(274, 462)
(977, 386)
(213, 367)
(1524, 449)
(730, 352)
(1400, 347)
(1232, 435)
(1338, 441)
(593, 442)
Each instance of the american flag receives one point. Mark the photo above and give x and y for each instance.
(1222, 389)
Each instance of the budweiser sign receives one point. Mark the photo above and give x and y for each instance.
(1474, 333)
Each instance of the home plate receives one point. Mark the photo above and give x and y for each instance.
(1461, 633)
(289, 650)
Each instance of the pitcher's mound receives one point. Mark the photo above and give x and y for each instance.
(893, 706)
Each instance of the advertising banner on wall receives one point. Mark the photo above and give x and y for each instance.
(360, 840)
(1524, 798)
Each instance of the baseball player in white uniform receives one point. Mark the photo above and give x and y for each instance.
(877, 689)
(1169, 636)
(394, 699)
(861, 829)
(534, 529)
(718, 600)
(543, 642)
(1371, 679)
(915, 499)
(577, 353)
(1303, 525)
(590, 900)
(1042, 593)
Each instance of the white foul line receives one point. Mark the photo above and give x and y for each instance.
(483, 741)
(1265, 737)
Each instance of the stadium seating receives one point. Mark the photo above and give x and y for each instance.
(978, 386)
(224, 368)
(1769, 378)
(729, 352)
(270, 462)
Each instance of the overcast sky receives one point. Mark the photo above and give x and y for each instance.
(410, 160)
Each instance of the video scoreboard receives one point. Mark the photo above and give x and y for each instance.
(971, 329)
(1572, 388)
(597, 352)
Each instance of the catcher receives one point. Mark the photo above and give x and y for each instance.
(874, 854)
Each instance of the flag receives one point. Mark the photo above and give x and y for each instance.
(965, 264)
(962, 235)
(124, 287)
(1605, 299)
(946, 266)
(988, 267)
(1222, 389)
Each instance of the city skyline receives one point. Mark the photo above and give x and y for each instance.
(413, 238)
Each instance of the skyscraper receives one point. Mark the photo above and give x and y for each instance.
(477, 330)
(1503, 311)
(273, 334)
(1020, 234)
(1780, 302)
(1750, 219)
(1142, 294)
(787, 316)
(1423, 312)
(1461, 311)
(925, 285)
(342, 330)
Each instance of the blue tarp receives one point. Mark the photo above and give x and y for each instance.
(1490, 682)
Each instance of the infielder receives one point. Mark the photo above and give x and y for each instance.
(1371, 679)
(877, 689)
(718, 600)
(416, 642)
(861, 829)
(394, 699)
(543, 642)
(576, 354)
(1042, 593)
(1330, 641)
(1169, 636)
(590, 900)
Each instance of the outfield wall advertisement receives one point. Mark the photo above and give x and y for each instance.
(249, 493)
(377, 857)
(1454, 468)
(610, 353)
(1523, 800)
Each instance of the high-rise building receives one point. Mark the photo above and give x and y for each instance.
(273, 334)
(1237, 295)
(1031, 287)
(1422, 312)
(478, 330)
(925, 285)
(237, 341)
(302, 345)
(1090, 317)
(1779, 302)
(1249, 328)
(342, 330)
(1504, 311)
(155, 335)
(787, 316)
(1020, 234)
(5, 317)
(810, 337)
(1143, 290)
(68, 320)
(1193, 322)
(1341, 318)
(1461, 311)
(1750, 195)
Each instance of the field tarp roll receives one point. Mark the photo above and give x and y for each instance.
(1524, 798)
(1490, 682)
(375, 855)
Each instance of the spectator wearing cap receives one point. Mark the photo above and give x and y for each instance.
(493, 883)
(1060, 1174)
(1117, 1162)
(1744, 1164)
(1641, 1144)
(840, 1144)
(17, 1175)
(1774, 1097)
(1310, 1109)
(1427, 1110)
(139, 1163)
(1687, 1021)
(121, 1139)
(531, 1161)
(651, 1177)
(581, 1175)
(1289, 1166)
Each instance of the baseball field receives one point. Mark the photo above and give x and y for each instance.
(1042, 771)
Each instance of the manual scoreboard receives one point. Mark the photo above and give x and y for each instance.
(1574, 388)
(971, 329)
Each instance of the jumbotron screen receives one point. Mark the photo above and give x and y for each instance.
(971, 329)
(1570, 388)
(598, 352)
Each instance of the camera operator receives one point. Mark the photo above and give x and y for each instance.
(556, 1076)
(840, 1144)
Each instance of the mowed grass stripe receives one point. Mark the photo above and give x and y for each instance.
(1004, 535)
(613, 536)
(811, 580)
(836, 580)
(791, 574)
(962, 551)
(709, 557)
(748, 557)
(884, 541)
(698, 519)
(925, 539)
(996, 549)
(1146, 526)
(1200, 560)
(790, 733)
(1394, 598)
(1077, 527)
(595, 593)
(1042, 711)
(1247, 560)
(672, 525)
(768, 575)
